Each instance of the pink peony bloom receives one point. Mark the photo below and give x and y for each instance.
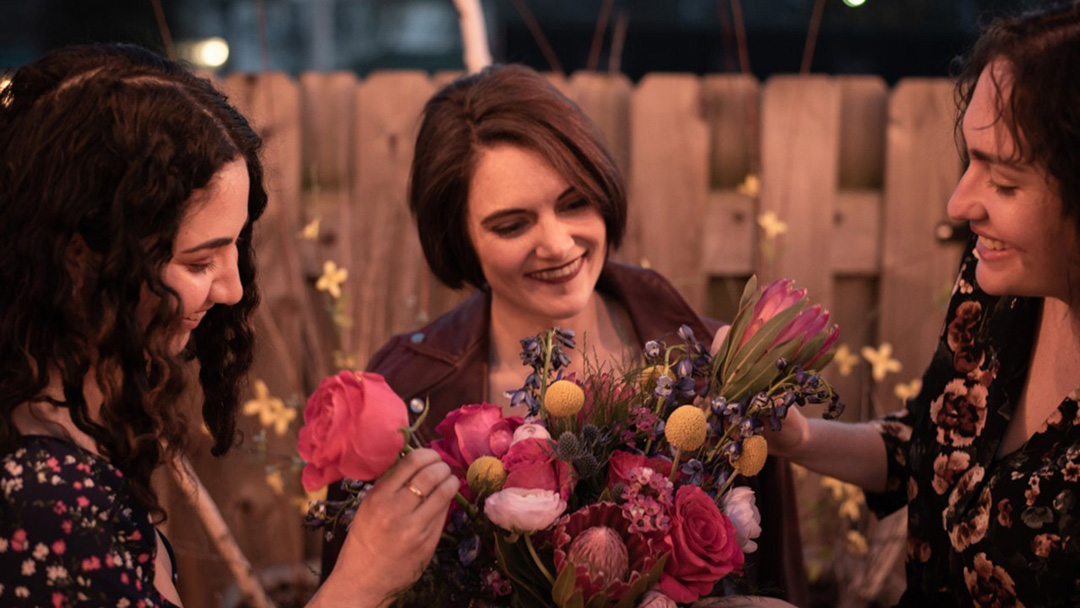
(472, 431)
(739, 505)
(531, 464)
(704, 547)
(523, 510)
(351, 429)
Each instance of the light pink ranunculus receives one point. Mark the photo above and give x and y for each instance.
(740, 506)
(523, 510)
(351, 429)
(656, 599)
(530, 430)
(472, 431)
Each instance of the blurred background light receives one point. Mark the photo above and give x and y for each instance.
(207, 53)
(854, 3)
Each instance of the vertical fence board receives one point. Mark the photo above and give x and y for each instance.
(388, 266)
(606, 100)
(669, 181)
(732, 109)
(922, 169)
(800, 147)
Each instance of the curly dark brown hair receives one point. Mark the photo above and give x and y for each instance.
(104, 146)
(1042, 111)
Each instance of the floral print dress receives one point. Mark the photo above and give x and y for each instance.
(70, 532)
(983, 530)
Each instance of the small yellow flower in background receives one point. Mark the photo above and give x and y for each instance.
(343, 360)
(311, 231)
(905, 391)
(276, 482)
(771, 225)
(331, 279)
(750, 186)
(849, 496)
(686, 428)
(856, 543)
(845, 360)
(882, 360)
(271, 411)
(564, 398)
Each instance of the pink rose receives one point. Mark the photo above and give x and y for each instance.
(523, 510)
(351, 425)
(531, 464)
(621, 463)
(472, 431)
(704, 547)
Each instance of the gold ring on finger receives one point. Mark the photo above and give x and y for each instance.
(415, 490)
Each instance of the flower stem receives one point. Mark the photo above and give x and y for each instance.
(675, 465)
(536, 558)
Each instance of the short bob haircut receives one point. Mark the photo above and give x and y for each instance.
(1042, 50)
(102, 150)
(507, 104)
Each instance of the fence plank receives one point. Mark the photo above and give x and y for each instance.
(669, 181)
(388, 265)
(800, 153)
(606, 100)
(732, 109)
(922, 168)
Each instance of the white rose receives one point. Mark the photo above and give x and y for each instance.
(530, 431)
(739, 506)
(523, 510)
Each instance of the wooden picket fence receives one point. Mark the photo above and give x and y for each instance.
(859, 173)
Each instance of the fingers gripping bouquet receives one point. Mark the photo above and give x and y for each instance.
(617, 488)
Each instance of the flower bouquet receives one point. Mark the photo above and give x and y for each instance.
(617, 487)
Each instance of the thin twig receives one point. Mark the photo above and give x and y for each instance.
(219, 533)
(618, 41)
(812, 36)
(726, 33)
(477, 54)
(602, 20)
(740, 37)
(163, 28)
(538, 35)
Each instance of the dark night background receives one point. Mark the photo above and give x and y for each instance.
(891, 38)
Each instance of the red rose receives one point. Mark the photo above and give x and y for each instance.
(350, 429)
(704, 547)
(531, 464)
(621, 463)
(472, 431)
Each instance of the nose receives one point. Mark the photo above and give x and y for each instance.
(965, 204)
(555, 239)
(227, 288)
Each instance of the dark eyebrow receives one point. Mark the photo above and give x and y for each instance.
(993, 159)
(515, 210)
(211, 244)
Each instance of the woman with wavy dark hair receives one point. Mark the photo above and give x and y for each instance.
(987, 457)
(128, 193)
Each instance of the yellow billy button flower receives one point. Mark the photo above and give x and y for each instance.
(486, 475)
(686, 428)
(564, 398)
(754, 452)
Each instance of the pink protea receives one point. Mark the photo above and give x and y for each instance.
(776, 297)
(608, 557)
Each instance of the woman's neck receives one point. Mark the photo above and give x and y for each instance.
(42, 417)
(1058, 344)
(602, 327)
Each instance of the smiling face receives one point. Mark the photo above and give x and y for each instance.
(1026, 246)
(203, 270)
(540, 244)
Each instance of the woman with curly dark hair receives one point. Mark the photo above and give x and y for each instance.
(987, 457)
(128, 193)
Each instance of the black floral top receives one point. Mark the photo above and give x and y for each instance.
(984, 531)
(70, 532)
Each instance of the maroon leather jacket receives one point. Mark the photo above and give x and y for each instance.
(447, 362)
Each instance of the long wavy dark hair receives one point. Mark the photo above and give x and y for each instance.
(1042, 112)
(103, 146)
